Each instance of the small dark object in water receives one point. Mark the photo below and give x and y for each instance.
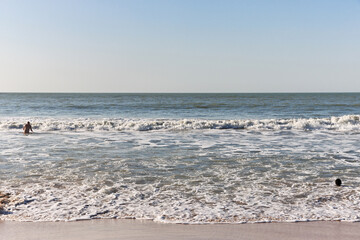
(338, 182)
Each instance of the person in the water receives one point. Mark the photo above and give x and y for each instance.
(27, 128)
(338, 182)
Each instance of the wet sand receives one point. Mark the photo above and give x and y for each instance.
(138, 229)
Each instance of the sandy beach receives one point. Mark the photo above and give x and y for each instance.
(138, 229)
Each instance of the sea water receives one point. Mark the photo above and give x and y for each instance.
(181, 158)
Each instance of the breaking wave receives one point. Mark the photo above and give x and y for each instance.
(342, 123)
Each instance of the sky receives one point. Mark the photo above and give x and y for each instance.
(180, 46)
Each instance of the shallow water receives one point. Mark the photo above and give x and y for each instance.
(190, 158)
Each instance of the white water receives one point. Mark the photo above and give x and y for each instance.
(189, 171)
(343, 123)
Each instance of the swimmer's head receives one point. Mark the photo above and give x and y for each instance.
(338, 182)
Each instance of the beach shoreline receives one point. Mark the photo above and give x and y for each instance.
(109, 229)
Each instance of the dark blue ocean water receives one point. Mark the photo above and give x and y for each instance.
(176, 106)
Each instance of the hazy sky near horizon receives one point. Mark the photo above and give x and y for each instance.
(180, 46)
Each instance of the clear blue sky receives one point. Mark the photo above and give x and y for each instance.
(180, 46)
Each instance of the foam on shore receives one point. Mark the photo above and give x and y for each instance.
(182, 171)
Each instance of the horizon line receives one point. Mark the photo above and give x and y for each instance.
(85, 92)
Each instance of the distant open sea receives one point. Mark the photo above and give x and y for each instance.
(181, 158)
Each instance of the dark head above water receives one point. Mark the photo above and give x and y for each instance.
(338, 182)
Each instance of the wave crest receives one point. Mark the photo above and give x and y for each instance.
(342, 123)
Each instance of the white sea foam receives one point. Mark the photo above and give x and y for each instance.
(177, 203)
(343, 123)
(199, 176)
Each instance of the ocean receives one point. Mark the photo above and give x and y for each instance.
(181, 158)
